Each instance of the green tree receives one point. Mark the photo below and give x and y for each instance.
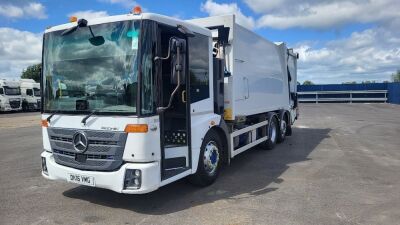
(396, 76)
(307, 82)
(350, 82)
(32, 72)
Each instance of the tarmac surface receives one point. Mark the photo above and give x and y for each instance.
(341, 166)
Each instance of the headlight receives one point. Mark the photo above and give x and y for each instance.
(133, 179)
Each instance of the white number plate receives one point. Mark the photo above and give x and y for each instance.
(81, 179)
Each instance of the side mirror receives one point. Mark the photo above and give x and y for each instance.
(177, 52)
(97, 40)
(178, 61)
(29, 92)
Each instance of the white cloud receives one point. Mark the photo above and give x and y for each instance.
(372, 54)
(215, 9)
(88, 14)
(125, 3)
(11, 11)
(322, 14)
(18, 49)
(15, 10)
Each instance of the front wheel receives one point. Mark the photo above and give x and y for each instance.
(210, 160)
(24, 107)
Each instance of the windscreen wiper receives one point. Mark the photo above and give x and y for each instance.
(88, 116)
(91, 114)
(81, 23)
(51, 116)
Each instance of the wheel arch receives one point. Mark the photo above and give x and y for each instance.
(282, 114)
(223, 135)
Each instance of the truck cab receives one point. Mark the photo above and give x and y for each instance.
(113, 85)
(30, 92)
(10, 96)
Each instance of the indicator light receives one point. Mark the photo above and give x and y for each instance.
(136, 128)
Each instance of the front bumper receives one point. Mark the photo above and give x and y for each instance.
(33, 106)
(8, 108)
(108, 180)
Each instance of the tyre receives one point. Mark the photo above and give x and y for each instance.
(272, 134)
(283, 129)
(210, 160)
(24, 107)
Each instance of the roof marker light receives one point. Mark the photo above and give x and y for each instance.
(137, 10)
(73, 19)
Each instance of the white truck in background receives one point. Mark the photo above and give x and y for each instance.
(10, 96)
(30, 92)
(150, 99)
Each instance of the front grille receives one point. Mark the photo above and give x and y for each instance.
(55, 138)
(15, 104)
(104, 151)
(88, 156)
(98, 142)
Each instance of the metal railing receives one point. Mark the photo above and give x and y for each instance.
(343, 96)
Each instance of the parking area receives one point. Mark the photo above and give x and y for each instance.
(341, 166)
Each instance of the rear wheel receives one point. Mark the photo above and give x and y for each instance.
(283, 129)
(210, 160)
(272, 134)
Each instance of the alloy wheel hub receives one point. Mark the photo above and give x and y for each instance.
(211, 157)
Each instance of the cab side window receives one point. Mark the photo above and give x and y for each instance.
(1, 91)
(199, 67)
(29, 92)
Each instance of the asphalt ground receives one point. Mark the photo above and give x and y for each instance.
(341, 166)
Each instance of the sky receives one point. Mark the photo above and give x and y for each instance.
(338, 40)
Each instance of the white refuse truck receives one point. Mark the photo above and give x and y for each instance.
(30, 92)
(150, 99)
(10, 96)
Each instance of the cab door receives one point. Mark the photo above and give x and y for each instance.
(175, 119)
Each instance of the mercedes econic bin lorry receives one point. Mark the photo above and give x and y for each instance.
(133, 102)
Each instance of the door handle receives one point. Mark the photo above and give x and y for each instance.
(184, 96)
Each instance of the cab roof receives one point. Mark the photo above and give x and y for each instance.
(144, 16)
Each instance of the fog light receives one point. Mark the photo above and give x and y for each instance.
(137, 173)
(133, 179)
(44, 166)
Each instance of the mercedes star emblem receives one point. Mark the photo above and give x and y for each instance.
(80, 142)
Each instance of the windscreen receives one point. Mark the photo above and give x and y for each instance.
(11, 90)
(36, 92)
(103, 75)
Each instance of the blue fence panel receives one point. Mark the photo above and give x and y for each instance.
(392, 88)
(394, 93)
(343, 87)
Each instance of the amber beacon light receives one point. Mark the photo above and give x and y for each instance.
(73, 19)
(137, 10)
